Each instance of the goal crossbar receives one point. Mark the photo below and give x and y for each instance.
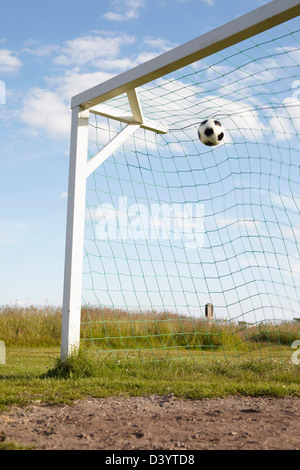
(241, 28)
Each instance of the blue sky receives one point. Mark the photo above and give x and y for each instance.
(50, 51)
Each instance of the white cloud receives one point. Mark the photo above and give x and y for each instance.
(73, 82)
(287, 120)
(295, 269)
(86, 61)
(35, 48)
(88, 49)
(159, 43)
(40, 50)
(48, 108)
(44, 109)
(9, 63)
(286, 201)
(124, 10)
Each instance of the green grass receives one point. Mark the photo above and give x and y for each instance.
(38, 376)
(141, 354)
(30, 326)
(13, 446)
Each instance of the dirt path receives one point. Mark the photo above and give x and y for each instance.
(161, 423)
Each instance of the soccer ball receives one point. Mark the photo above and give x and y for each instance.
(211, 132)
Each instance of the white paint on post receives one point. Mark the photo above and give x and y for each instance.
(70, 337)
(111, 147)
(118, 115)
(112, 113)
(135, 106)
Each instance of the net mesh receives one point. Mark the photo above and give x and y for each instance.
(173, 225)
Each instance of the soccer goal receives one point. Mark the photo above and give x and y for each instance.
(179, 249)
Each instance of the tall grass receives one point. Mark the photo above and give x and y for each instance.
(31, 326)
(116, 329)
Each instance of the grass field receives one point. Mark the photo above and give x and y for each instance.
(34, 373)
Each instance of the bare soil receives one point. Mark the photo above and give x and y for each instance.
(157, 423)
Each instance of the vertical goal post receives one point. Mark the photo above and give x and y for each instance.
(92, 102)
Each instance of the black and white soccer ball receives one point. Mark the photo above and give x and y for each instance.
(211, 132)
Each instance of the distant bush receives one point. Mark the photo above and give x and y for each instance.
(275, 333)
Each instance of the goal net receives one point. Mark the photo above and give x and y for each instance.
(192, 250)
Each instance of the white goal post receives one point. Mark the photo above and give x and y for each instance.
(91, 101)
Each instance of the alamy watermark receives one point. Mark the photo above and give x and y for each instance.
(2, 92)
(296, 354)
(184, 222)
